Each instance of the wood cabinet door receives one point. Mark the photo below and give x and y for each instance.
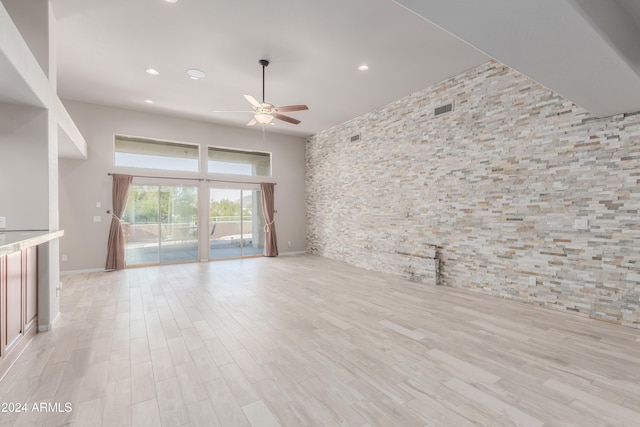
(3, 286)
(13, 323)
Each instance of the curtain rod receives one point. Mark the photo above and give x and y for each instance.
(158, 177)
(236, 182)
(193, 179)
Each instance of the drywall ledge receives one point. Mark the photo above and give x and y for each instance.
(23, 82)
(71, 143)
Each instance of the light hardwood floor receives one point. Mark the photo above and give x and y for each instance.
(306, 341)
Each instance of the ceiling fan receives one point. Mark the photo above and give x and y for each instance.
(263, 112)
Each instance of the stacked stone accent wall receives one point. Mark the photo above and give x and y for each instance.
(496, 185)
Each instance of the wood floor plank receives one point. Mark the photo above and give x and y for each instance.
(117, 410)
(95, 382)
(146, 414)
(461, 367)
(217, 351)
(285, 403)
(191, 338)
(227, 410)
(411, 333)
(89, 413)
(119, 365)
(207, 368)
(616, 411)
(48, 382)
(179, 351)
(202, 415)
(259, 415)
(518, 417)
(190, 383)
(436, 414)
(142, 382)
(171, 405)
(248, 365)
(163, 367)
(330, 394)
(203, 329)
(140, 350)
(239, 385)
(155, 334)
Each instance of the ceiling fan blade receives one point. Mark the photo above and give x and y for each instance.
(291, 108)
(252, 122)
(253, 101)
(286, 119)
(232, 111)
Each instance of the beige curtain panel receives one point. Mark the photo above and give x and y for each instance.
(270, 241)
(115, 244)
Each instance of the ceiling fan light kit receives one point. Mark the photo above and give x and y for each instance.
(263, 119)
(263, 112)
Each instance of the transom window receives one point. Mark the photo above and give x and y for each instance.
(153, 154)
(238, 162)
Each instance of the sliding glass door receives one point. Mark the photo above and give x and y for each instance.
(179, 224)
(161, 224)
(235, 223)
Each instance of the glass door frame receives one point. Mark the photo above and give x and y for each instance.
(178, 235)
(256, 217)
(159, 187)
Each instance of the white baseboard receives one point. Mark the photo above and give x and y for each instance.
(102, 270)
(90, 270)
(293, 253)
(49, 326)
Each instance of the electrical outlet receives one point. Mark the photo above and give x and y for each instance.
(64, 257)
(97, 218)
(98, 205)
(532, 281)
(3, 222)
(289, 243)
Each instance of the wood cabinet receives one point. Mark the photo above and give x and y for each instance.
(18, 304)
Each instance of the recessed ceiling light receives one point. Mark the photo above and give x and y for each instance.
(363, 67)
(152, 71)
(196, 74)
(171, 1)
(148, 101)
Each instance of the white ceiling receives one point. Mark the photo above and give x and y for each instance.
(585, 50)
(315, 48)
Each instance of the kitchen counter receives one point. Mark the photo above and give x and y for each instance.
(19, 289)
(14, 241)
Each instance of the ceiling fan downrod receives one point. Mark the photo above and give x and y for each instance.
(264, 64)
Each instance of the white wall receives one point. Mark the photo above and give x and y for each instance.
(85, 182)
(24, 167)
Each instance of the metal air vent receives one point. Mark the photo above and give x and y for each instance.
(447, 108)
(355, 137)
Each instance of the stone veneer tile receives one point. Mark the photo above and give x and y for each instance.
(496, 186)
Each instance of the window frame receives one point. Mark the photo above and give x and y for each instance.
(239, 150)
(144, 139)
